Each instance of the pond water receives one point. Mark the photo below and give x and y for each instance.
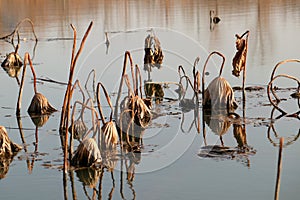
(177, 161)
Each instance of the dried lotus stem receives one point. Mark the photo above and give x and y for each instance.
(126, 56)
(269, 90)
(273, 73)
(99, 103)
(16, 30)
(65, 114)
(93, 84)
(279, 167)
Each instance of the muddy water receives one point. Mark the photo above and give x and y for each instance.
(174, 163)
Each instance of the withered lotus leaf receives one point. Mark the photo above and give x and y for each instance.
(40, 105)
(87, 153)
(154, 90)
(219, 94)
(141, 108)
(109, 134)
(239, 59)
(153, 51)
(7, 147)
(79, 129)
(12, 60)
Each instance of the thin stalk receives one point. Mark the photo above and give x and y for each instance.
(269, 90)
(126, 56)
(273, 73)
(99, 102)
(279, 167)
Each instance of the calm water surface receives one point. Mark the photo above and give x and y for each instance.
(170, 166)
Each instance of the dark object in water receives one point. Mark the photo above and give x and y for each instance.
(86, 154)
(213, 18)
(296, 95)
(7, 147)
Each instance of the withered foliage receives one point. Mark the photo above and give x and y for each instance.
(219, 93)
(40, 105)
(153, 52)
(239, 60)
(87, 153)
(7, 147)
(109, 133)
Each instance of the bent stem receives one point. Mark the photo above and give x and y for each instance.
(93, 71)
(270, 86)
(273, 73)
(26, 59)
(126, 56)
(99, 102)
(16, 30)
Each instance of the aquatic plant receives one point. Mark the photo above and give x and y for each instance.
(239, 60)
(275, 102)
(39, 104)
(218, 94)
(153, 52)
(65, 113)
(16, 31)
(109, 134)
(12, 64)
(273, 74)
(7, 147)
(87, 153)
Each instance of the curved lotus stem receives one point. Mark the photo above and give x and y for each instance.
(26, 58)
(128, 85)
(77, 83)
(270, 85)
(108, 101)
(126, 56)
(33, 72)
(273, 73)
(16, 30)
(204, 68)
(191, 84)
(93, 112)
(93, 71)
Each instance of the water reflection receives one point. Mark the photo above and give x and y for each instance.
(273, 135)
(220, 122)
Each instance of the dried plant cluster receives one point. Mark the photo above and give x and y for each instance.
(130, 116)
